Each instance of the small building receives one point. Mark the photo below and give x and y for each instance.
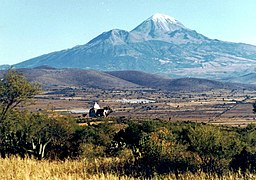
(96, 111)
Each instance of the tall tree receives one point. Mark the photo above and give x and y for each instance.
(14, 89)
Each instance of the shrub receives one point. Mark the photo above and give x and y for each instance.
(244, 161)
(36, 134)
(215, 146)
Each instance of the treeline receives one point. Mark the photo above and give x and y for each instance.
(142, 148)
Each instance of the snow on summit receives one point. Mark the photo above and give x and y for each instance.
(157, 27)
(165, 21)
(163, 18)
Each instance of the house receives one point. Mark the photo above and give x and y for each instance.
(96, 111)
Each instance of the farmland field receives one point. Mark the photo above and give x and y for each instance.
(222, 107)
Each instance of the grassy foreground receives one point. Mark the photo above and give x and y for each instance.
(17, 168)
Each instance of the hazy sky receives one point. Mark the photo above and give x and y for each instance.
(29, 28)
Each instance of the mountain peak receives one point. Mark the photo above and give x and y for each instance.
(115, 36)
(164, 22)
(157, 26)
(162, 18)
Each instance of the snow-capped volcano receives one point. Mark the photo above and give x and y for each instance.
(164, 28)
(160, 44)
(158, 24)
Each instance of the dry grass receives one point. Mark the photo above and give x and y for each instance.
(17, 168)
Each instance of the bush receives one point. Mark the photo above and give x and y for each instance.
(215, 146)
(36, 134)
(244, 161)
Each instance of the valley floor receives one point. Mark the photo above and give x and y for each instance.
(222, 107)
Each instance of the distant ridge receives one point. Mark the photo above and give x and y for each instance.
(76, 78)
(142, 78)
(180, 84)
(44, 67)
(4, 67)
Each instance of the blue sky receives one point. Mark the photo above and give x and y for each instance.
(29, 28)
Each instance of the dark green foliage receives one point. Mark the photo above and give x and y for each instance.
(215, 146)
(93, 141)
(36, 134)
(178, 147)
(131, 137)
(134, 132)
(101, 134)
(254, 107)
(244, 161)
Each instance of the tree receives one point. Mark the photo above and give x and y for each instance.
(14, 89)
(254, 107)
